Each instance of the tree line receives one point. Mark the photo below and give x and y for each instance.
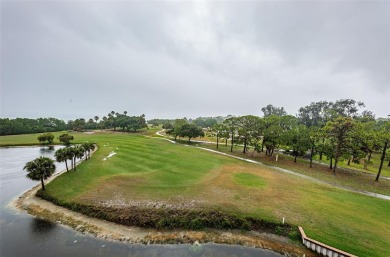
(339, 130)
(29, 126)
(113, 120)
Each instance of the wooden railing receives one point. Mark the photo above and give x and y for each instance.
(321, 248)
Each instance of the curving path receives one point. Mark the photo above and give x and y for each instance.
(376, 195)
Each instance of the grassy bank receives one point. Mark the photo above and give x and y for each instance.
(158, 176)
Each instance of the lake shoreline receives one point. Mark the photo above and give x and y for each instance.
(134, 235)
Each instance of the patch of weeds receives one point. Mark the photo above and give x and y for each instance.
(196, 224)
(294, 235)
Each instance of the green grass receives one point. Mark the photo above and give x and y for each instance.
(356, 180)
(79, 137)
(250, 180)
(371, 168)
(149, 170)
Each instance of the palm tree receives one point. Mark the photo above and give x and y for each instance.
(88, 147)
(78, 152)
(92, 147)
(69, 153)
(85, 145)
(96, 118)
(61, 156)
(103, 123)
(39, 169)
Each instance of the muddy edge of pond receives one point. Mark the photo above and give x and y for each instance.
(40, 208)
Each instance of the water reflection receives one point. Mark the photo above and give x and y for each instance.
(47, 149)
(41, 226)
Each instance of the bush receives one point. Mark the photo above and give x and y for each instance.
(46, 137)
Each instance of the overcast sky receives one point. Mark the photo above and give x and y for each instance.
(71, 59)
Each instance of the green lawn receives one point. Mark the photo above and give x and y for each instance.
(148, 170)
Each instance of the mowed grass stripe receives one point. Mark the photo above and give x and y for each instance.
(142, 159)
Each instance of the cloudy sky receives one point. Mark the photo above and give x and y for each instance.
(71, 59)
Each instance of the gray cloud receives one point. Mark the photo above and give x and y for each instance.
(166, 59)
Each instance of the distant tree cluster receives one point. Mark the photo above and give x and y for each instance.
(112, 120)
(29, 126)
(158, 122)
(182, 128)
(338, 130)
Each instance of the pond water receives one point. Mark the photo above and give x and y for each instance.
(23, 235)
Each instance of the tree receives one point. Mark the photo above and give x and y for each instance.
(79, 124)
(96, 118)
(205, 122)
(65, 139)
(103, 123)
(111, 120)
(27, 126)
(191, 131)
(272, 133)
(78, 152)
(220, 129)
(249, 128)
(340, 131)
(61, 156)
(90, 124)
(272, 110)
(69, 153)
(298, 138)
(316, 114)
(46, 137)
(88, 147)
(364, 143)
(384, 136)
(346, 108)
(327, 147)
(231, 124)
(177, 125)
(315, 135)
(135, 123)
(167, 126)
(40, 169)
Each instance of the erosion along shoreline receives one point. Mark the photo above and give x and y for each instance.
(40, 208)
(99, 228)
